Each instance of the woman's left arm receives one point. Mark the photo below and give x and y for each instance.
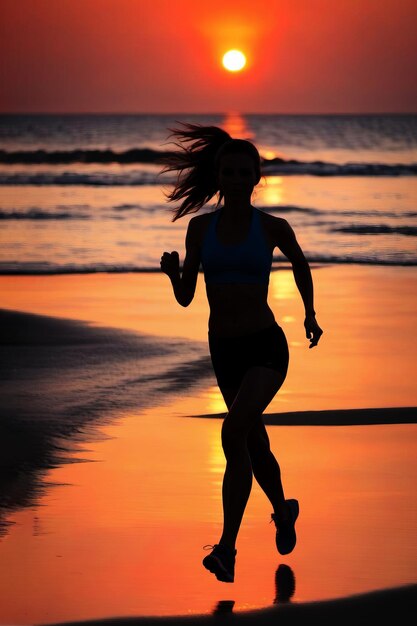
(287, 242)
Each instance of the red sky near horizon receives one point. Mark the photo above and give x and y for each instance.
(164, 56)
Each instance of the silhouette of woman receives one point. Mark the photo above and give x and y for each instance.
(249, 352)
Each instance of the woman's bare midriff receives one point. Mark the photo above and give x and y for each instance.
(238, 309)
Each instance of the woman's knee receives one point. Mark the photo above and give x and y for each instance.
(233, 438)
(258, 436)
(262, 458)
(258, 444)
(258, 447)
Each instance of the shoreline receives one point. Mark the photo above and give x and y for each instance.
(392, 603)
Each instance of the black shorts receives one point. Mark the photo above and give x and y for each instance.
(233, 356)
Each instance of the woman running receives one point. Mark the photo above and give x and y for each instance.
(249, 351)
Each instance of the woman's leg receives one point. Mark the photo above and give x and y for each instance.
(258, 387)
(265, 467)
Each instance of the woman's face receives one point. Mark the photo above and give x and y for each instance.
(237, 174)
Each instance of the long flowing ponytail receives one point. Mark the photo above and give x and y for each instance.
(195, 164)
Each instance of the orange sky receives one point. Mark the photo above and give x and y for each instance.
(304, 56)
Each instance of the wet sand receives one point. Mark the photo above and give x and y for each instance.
(366, 357)
(82, 351)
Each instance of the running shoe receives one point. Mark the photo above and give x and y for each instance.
(286, 537)
(221, 562)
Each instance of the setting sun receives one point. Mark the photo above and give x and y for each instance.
(234, 60)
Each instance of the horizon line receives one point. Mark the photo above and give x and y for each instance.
(174, 113)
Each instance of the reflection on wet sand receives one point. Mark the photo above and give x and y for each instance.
(284, 584)
(284, 590)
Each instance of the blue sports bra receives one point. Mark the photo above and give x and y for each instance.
(246, 262)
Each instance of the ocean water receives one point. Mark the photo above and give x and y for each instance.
(83, 193)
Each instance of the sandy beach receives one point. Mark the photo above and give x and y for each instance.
(86, 359)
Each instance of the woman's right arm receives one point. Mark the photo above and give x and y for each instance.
(184, 285)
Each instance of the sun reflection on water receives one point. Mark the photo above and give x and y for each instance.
(282, 285)
(272, 191)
